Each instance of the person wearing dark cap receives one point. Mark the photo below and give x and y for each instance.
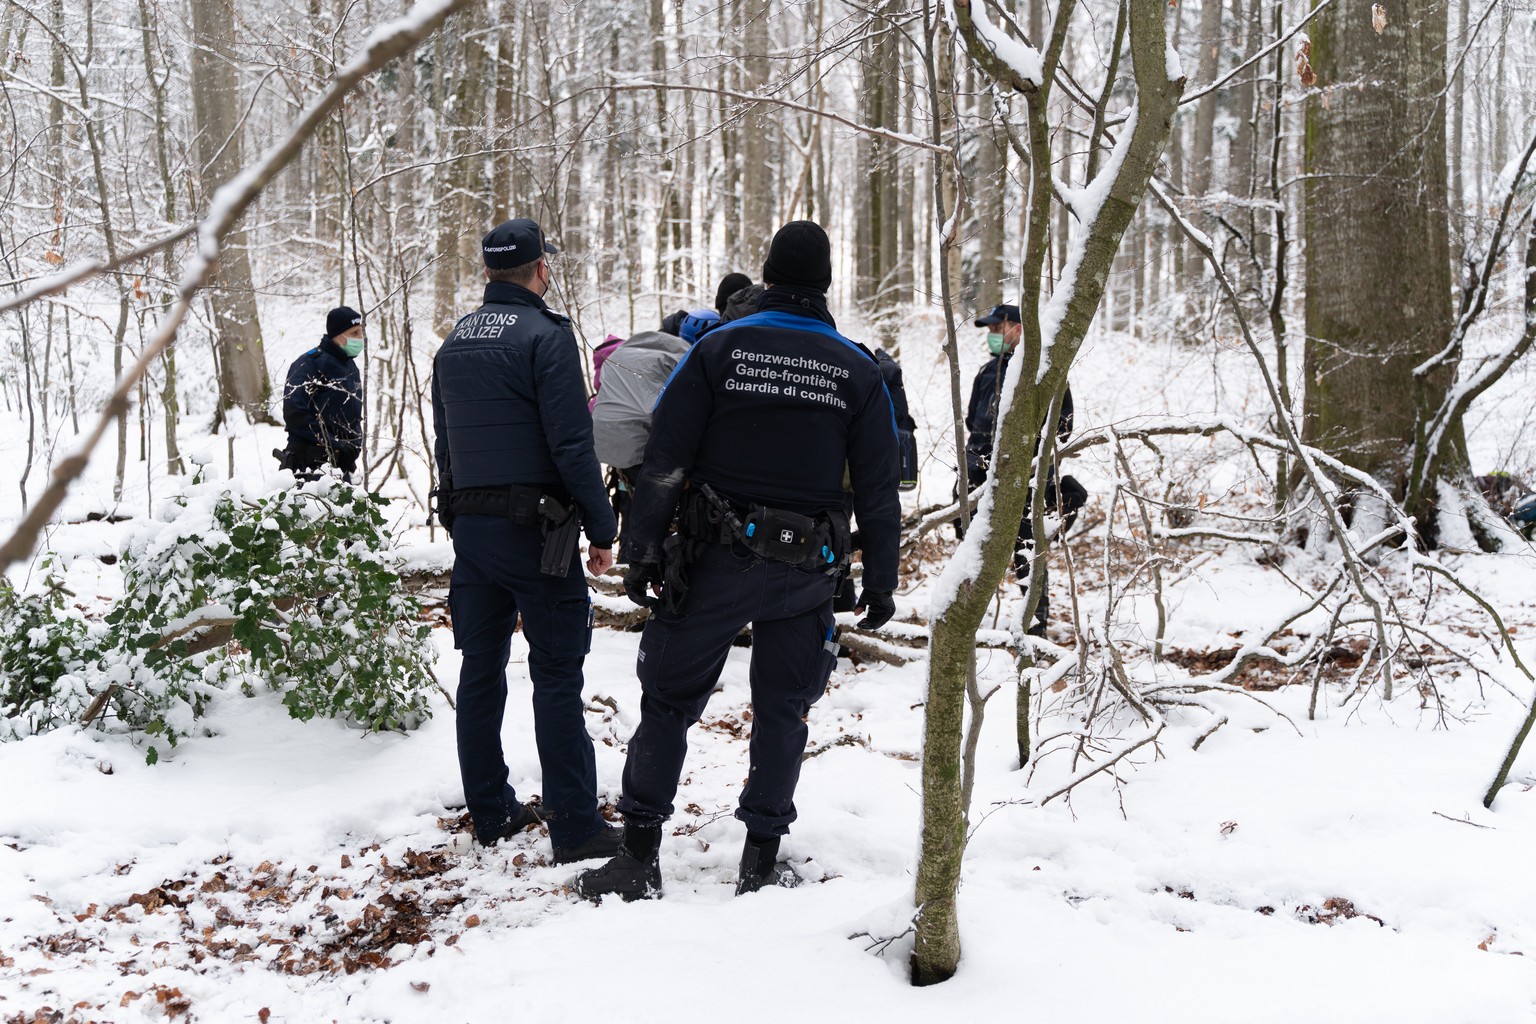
(517, 479)
(730, 284)
(1004, 329)
(748, 447)
(323, 401)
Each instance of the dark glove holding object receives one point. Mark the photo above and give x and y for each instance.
(880, 606)
(346, 459)
(637, 583)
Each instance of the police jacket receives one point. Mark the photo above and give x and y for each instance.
(323, 399)
(509, 405)
(769, 410)
(981, 416)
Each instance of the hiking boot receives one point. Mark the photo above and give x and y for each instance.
(760, 869)
(633, 874)
(527, 816)
(605, 842)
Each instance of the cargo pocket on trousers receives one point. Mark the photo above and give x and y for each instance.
(453, 620)
(826, 661)
(571, 636)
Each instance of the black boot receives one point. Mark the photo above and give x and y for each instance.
(605, 842)
(634, 874)
(527, 816)
(760, 868)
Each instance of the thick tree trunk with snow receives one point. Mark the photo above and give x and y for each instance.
(1378, 301)
(217, 106)
(1037, 375)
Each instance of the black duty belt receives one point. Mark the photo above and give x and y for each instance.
(817, 543)
(553, 513)
(521, 505)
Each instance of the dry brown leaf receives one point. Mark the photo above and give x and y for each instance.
(1487, 942)
(421, 986)
(1378, 18)
(262, 1014)
(472, 921)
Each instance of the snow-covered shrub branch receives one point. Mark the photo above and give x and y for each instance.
(296, 590)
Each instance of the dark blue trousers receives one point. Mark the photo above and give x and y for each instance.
(680, 661)
(496, 578)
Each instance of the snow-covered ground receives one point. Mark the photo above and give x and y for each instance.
(1340, 869)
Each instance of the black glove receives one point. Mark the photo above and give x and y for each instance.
(637, 583)
(880, 606)
(346, 460)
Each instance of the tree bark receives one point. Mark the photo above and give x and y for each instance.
(219, 111)
(1378, 249)
(1038, 377)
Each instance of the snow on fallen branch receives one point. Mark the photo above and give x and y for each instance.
(225, 209)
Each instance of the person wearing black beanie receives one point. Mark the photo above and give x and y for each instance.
(800, 256)
(730, 284)
(323, 401)
(750, 443)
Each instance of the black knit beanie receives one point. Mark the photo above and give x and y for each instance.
(800, 256)
(341, 320)
(730, 284)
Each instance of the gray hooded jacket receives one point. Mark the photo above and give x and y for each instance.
(632, 379)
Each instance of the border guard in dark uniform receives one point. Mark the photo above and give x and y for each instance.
(1005, 329)
(323, 401)
(748, 450)
(518, 478)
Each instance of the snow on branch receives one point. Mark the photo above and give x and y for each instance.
(225, 209)
(901, 138)
(1012, 62)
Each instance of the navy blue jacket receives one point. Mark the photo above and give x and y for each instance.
(323, 399)
(509, 404)
(981, 417)
(768, 410)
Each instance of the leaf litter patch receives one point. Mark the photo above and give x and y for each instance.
(367, 911)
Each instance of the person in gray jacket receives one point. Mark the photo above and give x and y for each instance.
(633, 378)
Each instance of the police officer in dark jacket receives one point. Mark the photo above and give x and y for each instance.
(518, 476)
(1004, 329)
(323, 400)
(748, 449)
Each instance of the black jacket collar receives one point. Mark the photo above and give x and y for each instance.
(505, 293)
(802, 301)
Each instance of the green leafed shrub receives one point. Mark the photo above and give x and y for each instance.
(46, 657)
(296, 590)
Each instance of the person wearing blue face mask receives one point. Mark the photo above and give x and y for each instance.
(1004, 329)
(323, 401)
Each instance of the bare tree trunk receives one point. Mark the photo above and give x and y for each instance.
(1378, 247)
(1045, 363)
(759, 144)
(217, 107)
(170, 404)
(989, 190)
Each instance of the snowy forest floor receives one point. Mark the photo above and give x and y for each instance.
(1341, 869)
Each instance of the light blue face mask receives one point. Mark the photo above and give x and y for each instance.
(996, 343)
(353, 347)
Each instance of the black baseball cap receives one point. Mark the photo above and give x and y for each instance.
(1000, 314)
(514, 243)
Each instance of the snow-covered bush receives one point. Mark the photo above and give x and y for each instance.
(296, 590)
(45, 656)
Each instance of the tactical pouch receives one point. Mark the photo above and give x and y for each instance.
(783, 536)
(562, 529)
(906, 452)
